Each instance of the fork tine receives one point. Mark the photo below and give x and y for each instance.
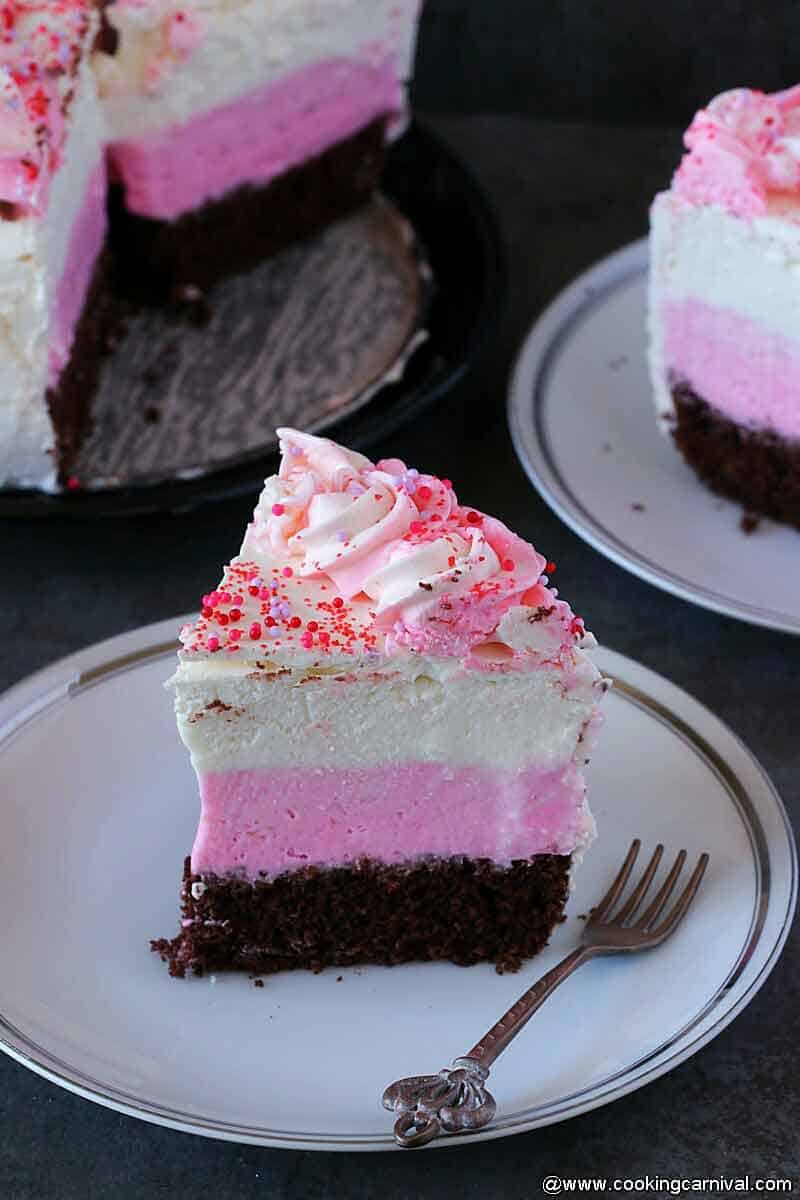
(611, 896)
(681, 905)
(640, 891)
(663, 894)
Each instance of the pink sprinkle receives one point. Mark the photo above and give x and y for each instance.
(213, 643)
(224, 597)
(278, 510)
(508, 564)
(234, 634)
(238, 599)
(255, 631)
(264, 593)
(287, 572)
(306, 641)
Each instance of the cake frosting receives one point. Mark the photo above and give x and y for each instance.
(724, 299)
(388, 707)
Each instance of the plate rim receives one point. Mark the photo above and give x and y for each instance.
(88, 667)
(524, 411)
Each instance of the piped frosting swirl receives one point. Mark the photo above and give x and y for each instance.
(742, 148)
(353, 557)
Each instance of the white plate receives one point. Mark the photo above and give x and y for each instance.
(98, 808)
(583, 424)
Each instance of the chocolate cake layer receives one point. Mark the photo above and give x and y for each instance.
(248, 224)
(462, 910)
(70, 401)
(759, 469)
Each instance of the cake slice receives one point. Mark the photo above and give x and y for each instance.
(53, 276)
(239, 126)
(725, 301)
(388, 709)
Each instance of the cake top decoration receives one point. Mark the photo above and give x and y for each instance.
(40, 43)
(357, 557)
(742, 148)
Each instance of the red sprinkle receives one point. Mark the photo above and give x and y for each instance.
(508, 564)
(235, 634)
(264, 593)
(206, 611)
(295, 623)
(324, 638)
(213, 643)
(255, 631)
(312, 627)
(549, 567)
(222, 618)
(448, 483)
(254, 591)
(474, 518)
(338, 602)
(416, 527)
(234, 614)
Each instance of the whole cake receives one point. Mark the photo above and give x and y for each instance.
(388, 709)
(725, 300)
(226, 129)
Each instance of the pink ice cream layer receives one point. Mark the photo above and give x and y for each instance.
(255, 139)
(86, 242)
(746, 372)
(273, 820)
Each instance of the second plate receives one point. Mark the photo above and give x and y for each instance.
(584, 427)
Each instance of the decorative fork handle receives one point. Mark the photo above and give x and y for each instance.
(457, 1098)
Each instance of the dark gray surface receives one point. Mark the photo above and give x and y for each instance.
(617, 60)
(565, 195)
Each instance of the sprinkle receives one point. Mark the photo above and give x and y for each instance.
(295, 623)
(235, 634)
(238, 600)
(234, 614)
(474, 518)
(222, 618)
(224, 597)
(338, 602)
(264, 593)
(416, 527)
(255, 631)
(448, 483)
(278, 510)
(508, 564)
(206, 612)
(312, 627)
(307, 641)
(324, 638)
(287, 573)
(550, 567)
(213, 643)
(424, 492)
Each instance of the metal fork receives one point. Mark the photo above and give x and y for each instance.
(456, 1099)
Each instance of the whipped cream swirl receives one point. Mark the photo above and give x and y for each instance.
(437, 573)
(743, 147)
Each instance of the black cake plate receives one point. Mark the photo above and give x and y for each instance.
(352, 335)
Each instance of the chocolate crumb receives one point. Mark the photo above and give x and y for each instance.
(750, 522)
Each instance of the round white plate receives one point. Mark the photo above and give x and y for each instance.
(98, 809)
(584, 426)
